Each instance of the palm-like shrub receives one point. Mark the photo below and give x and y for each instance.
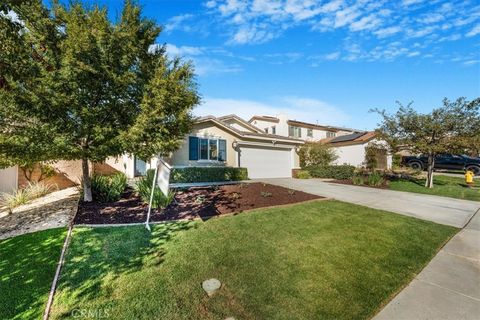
(144, 188)
(375, 179)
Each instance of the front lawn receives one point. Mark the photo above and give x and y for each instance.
(316, 260)
(27, 268)
(445, 186)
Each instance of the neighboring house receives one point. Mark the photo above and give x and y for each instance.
(283, 126)
(350, 149)
(226, 141)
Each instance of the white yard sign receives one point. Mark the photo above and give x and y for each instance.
(162, 179)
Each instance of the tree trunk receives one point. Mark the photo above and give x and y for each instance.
(430, 166)
(87, 184)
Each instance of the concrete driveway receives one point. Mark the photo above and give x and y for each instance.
(443, 210)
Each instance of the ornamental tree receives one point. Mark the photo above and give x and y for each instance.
(76, 86)
(447, 129)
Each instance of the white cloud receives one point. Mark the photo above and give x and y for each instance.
(211, 4)
(209, 66)
(332, 56)
(410, 2)
(471, 62)
(386, 32)
(178, 22)
(413, 54)
(474, 31)
(299, 108)
(173, 50)
(365, 23)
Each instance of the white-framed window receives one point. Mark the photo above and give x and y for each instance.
(331, 134)
(274, 130)
(207, 149)
(310, 133)
(266, 130)
(295, 132)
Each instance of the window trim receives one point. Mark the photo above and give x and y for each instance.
(208, 150)
(310, 132)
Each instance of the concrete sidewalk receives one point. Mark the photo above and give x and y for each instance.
(448, 287)
(443, 210)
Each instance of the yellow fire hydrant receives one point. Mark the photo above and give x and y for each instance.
(469, 178)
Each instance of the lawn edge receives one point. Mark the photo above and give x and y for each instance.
(397, 292)
(131, 224)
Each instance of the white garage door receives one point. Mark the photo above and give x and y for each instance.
(8, 179)
(266, 162)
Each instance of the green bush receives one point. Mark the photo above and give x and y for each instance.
(144, 188)
(316, 154)
(358, 180)
(108, 188)
(375, 179)
(341, 172)
(207, 174)
(303, 174)
(396, 160)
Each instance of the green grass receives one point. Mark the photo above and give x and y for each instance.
(317, 260)
(27, 268)
(445, 186)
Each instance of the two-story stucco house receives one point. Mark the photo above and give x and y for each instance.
(284, 126)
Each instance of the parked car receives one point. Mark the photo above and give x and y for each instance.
(444, 161)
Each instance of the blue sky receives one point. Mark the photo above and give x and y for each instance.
(327, 61)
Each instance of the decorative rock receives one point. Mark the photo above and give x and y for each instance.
(211, 286)
(230, 318)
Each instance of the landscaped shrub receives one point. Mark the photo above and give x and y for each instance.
(207, 174)
(316, 154)
(341, 172)
(108, 188)
(144, 188)
(375, 179)
(303, 174)
(32, 191)
(358, 180)
(396, 160)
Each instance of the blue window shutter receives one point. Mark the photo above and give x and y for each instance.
(222, 150)
(192, 148)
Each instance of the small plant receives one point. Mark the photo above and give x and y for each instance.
(200, 199)
(375, 179)
(235, 195)
(358, 180)
(32, 191)
(144, 188)
(265, 194)
(291, 192)
(108, 188)
(303, 174)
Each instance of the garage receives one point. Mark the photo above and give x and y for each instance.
(264, 162)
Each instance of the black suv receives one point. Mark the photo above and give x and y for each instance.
(445, 161)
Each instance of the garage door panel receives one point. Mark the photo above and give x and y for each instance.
(266, 162)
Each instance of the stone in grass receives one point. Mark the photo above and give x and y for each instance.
(211, 286)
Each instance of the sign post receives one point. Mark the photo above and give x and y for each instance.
(162, 178)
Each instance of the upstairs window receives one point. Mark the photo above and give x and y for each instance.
(295, 132)
(331, 134)
(274, 130)
(266, 130)
(310, 133)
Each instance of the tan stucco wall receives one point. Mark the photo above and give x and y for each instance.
(206, 129)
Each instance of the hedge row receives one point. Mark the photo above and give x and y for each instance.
(207, 174)
(340, 172)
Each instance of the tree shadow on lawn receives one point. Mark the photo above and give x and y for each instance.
(27, 268)
(98, 256)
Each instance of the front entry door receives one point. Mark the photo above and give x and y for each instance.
(140, 167)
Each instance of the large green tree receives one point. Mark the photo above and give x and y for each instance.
(451, 128)
(76, 86)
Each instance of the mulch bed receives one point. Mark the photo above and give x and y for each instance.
(191, 203)
(384, 185)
